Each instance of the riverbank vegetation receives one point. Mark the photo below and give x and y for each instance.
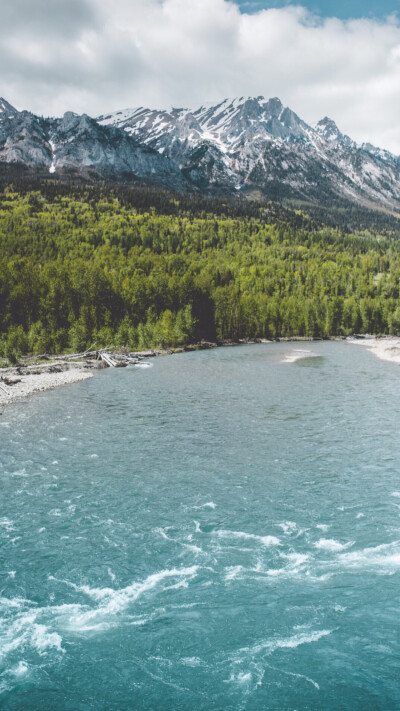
(84, 266)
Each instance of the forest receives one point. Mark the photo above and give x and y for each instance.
(99, 266)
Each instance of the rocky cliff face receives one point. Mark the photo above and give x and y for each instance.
(242, 146)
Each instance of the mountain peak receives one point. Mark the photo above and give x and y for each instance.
(328, 129)
(6, 108)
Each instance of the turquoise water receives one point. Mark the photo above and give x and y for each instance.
(217, 531)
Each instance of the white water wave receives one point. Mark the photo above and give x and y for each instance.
(288, 527)
(298, 354)
(323, 527)
(25, 625)
(383, 559)
(189, 546)
(329, 544)
(247, 661)
(272, 645)
(232, 572)
(7, 524)
(296, 565)
(264, 540)
(24, 630)
(113, 603)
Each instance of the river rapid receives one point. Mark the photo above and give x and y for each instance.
(216, 531)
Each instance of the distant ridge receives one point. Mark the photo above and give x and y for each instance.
(248, 146)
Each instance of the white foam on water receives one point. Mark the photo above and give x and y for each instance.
(323, 527)
(7, 524)
(208, 505)
(15, 602)
(329, 544)
(191, 661)
(296, 565)
(272, 645)
(143, 365)
(42, 628)
(111, 574)
(21, 669)
(43, 640)
(162, 534)
(24, 630)
(384, 559)
(360, 515)
(264, 540)
(20, 473)
(232, 572)
(396, 494)
(298, 354)
(12, 573)
(112, 603)
(240, 678)
(288, 527)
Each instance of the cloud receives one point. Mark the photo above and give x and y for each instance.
(95, 56)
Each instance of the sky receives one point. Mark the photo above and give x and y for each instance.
(320, 57)
(344, 9)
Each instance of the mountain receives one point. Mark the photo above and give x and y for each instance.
(79, 144)
(249, 144)
(245, 146)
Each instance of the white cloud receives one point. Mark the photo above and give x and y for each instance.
(97, 55)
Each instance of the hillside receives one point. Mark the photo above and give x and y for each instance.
(140, 268)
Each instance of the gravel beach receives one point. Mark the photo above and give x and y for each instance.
(39, 381)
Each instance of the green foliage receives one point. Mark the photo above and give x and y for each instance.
(81, 268)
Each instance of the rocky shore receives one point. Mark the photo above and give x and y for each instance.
(17, 383)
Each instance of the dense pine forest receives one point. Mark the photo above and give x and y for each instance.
(128, 266)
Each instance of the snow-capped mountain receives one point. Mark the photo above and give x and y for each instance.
(79, 144)
(250, 146)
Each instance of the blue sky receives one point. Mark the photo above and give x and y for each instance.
(330, 8)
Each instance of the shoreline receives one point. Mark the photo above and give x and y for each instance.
(19, 382)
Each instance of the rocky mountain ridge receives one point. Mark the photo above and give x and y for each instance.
(79, 144)
(248, 146)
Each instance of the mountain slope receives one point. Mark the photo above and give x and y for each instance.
(79, 144)
(250, 143)
(247, 146)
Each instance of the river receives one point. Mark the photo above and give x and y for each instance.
(218, 530)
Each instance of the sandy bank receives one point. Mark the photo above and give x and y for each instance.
(36, 382)
(385, 347)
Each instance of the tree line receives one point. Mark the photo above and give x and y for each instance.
(141, 269)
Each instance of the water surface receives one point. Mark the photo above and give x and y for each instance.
(217, 531)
